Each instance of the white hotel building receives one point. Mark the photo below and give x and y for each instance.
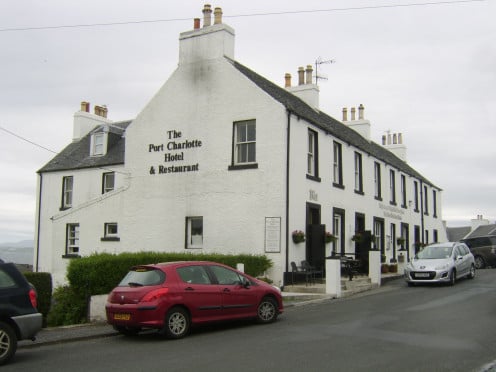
(222, 160)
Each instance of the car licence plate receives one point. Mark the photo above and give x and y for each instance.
(122, 316)
(422, 275)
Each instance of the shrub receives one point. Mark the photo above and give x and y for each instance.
(68, 307)
(43, 284)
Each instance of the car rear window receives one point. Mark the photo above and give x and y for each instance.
(143, 276)
(5, 280)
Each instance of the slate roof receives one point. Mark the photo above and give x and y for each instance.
(77, 154)
(456, 233)
(325, 122)
(483, 230)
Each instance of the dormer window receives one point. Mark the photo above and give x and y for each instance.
(98, 144)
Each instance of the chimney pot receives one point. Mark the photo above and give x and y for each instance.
(196, 23)
(301, 76)
(383, 140)
(85, 106)
(309, 71)
(345, 114)
(207, 15)
(287, 80)
(217, 16)
(360, 112)
(353, 111)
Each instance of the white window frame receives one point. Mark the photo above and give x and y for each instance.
(194, 232)
(377, 181)
(245, 140)
(98, 144)
(358, 172)
(72, 239)
(67, 191)
(403, 191)
(105, 182)
(111, 229)
(337, 163)
(311, 153)
(392, 186)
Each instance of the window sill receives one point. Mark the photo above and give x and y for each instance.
(313, 178)
(242, 166)
(404, 206)
(393, 203)
(110, 239)
(72, 255)
(359, 192)
(378, 198)
(64, 208)
(338, 186)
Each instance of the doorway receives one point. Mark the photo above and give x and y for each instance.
(315, 242)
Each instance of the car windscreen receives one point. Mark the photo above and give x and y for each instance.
(143, 276)
(434, 253)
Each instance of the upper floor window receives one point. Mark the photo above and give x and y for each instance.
(67, 189)
(416, 195)
(377, 181)
(337, 165)
(245, 137)
(426, 201)
(403, 191)
(194, 232)
(98, 144)
(392, 186)
(72, 239)
(312, 155)
(358, 173)
(434, 203)
(108, 182)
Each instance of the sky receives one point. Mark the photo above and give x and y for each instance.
(426, 69)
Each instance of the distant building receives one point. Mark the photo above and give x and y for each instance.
(479, 226)
(223, 160)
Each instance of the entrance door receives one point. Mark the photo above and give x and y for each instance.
(360, 249)
(315, 242)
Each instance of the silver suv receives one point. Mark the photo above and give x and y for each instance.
(484, 250)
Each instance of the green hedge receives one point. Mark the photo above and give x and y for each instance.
(101, 272)
(43, 284)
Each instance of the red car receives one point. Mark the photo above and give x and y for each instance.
(173, 296)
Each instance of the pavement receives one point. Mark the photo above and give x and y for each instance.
(54, 335)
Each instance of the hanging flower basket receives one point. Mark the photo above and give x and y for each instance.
(298, 236)
(329, 238)
(357, 238)
(400, 241)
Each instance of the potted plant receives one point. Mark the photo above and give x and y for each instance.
(298, 236)
(357, 237)
(384, 268)
(401, 241)
(329, 238)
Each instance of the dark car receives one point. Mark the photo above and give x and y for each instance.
(484, 250)
(19, 318)
(173, 296)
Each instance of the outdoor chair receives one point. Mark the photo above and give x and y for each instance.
(296, 271)
(312, 271)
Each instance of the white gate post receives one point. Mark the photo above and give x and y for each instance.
(375, 267)
(333, 276)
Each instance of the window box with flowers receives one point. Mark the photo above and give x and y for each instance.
(329, 238)
(298, 236)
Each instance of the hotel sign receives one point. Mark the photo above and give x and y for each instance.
(174, 151)
(391, 211)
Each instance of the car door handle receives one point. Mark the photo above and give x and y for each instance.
(189, 289)
(227, 290)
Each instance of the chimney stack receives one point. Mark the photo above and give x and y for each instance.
(360, 125)
(85, 106)
(207, 15)
(353, 112)
(345, 114)
(301, 76)
(196, 23)
(309, 71)
(360, 112)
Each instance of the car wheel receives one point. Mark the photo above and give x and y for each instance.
(177, 323)
(479, 262)
(471, 275)
(8, 343)
(267, 310)
(452, 277)
(127, 331)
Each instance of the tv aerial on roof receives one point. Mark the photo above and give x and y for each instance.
(319, 61)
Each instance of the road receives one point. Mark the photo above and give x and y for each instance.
(394, 328)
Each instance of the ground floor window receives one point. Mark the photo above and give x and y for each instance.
(194, 232)
(72, 239)
(110, 232)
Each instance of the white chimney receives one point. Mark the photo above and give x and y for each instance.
(84, 121)
(359, 125)
(394, 143)
(479, 221)
(305, 89)
(212, 41)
